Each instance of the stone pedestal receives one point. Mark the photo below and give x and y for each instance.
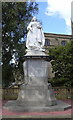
(36, 94)
(35, 91)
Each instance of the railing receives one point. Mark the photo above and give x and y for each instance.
(60, 93)
(10, 93)
(63, 93)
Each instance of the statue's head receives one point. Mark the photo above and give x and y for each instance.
(34, 19)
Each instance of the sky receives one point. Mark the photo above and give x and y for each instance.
(55, 16)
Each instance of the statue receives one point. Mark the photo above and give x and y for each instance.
(35, 36)
(36, 94)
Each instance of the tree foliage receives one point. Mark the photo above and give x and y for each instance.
(63, 65)
(15, 18)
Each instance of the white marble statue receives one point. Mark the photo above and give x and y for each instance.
(35, 36)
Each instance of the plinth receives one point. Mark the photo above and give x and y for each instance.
(36, 94)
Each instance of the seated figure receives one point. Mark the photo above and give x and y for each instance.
(35, 36)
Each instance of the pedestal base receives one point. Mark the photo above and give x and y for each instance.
(16, 106)
(36, 99)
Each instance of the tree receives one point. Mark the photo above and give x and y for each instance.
(15, 18)
(63, 65)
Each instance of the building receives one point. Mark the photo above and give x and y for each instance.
(52, 40)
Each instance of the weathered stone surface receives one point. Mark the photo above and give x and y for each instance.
(36, 94)
(20, 107)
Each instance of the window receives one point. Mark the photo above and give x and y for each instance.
(63, 43)
(47, 42)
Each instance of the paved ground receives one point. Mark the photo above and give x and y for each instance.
(57, 114)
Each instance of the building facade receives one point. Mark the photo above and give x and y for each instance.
(53, 40)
